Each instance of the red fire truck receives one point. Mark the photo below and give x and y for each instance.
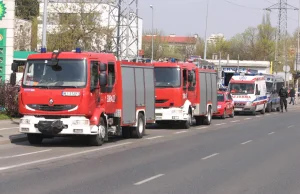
(85, 93)
(184, 92)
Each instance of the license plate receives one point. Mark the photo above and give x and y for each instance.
(238, 109)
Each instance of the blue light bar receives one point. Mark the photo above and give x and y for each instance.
(78, 50)
(43, 50)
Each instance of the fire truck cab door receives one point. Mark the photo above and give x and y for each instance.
(94, 85)
(192, 85)
(110, 88)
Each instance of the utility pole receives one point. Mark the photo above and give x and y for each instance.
(44, 35)
(297, 56)
(238, 64)
(219, 69)
(152, 37)
(205, 47)
(282, 6)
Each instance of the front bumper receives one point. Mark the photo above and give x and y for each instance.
(170, 114)
(71, 126)
(245, 109)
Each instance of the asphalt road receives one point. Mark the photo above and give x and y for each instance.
(244, 155)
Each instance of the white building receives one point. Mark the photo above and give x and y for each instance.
(22, 35)
(7, 20)
(109, 17)
(212, 39)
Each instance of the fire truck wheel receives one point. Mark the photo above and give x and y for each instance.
(207, 119)
(139, 130)
(98, 140)
(188, 122)
(35, 139)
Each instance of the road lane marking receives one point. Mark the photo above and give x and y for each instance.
(235, 121)
(247, 118)
(155, 137)
(291, 126)
(221, 124)
(257, 116)
(201, 128)
(63, 156)
(26, 154)
(210, 156)
(271, 133)
(179, 132)
(149, 179)
(246, 142)
(2, 129)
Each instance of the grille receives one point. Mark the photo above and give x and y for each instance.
(45, 107)
(239, 104)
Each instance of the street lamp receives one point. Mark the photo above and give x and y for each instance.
(44, 39)
(205, 47)
(152, 40)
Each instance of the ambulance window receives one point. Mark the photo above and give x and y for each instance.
(256, 91)
(111, 74)
(94, 74)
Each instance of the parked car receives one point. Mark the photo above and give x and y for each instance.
(225, 105)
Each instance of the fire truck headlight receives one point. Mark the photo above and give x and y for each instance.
(81, 122)
(219, 106)
(24, 121)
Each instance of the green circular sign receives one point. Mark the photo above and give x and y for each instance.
(2, 10)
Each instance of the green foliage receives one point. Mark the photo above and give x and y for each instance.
(27, 9)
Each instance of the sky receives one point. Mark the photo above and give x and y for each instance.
(229, 17)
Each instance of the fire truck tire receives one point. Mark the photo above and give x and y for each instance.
(139, 130)
(98, 140)
(35, 139)
(207, 119)
(187, 124)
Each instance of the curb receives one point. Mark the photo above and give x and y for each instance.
(14, 139)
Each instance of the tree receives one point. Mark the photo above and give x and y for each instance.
(77, 25)
(22, 39)
(27, 9)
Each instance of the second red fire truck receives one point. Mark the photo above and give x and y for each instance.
(184, 92)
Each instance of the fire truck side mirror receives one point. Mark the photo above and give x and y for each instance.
(103, 67)
(103, 79)
(14, 67)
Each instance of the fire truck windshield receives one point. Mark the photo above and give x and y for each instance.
(67, 73)
(167, 77)
(241, 88)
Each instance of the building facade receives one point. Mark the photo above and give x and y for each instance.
(7, 19)
(213, 38)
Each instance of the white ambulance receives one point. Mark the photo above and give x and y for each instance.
(249, 93)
